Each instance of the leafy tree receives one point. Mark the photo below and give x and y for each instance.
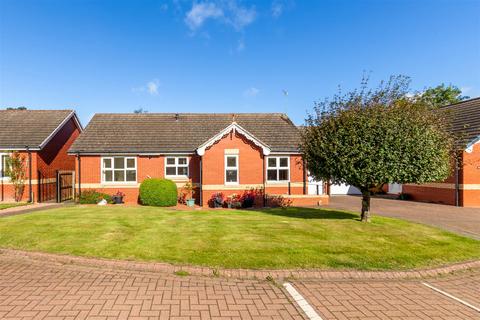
(17, 108)
(140, 110)
(370, 137)
(441, 95)
(16, 170)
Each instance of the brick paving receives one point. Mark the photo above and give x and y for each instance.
(465, 287)
(37, 290)
(33, 287)
(465, 221)
(355, 300)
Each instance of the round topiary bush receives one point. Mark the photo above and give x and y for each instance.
(158, 193)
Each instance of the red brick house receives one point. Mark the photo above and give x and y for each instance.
(462, 188)
(43, 137)
(227, 153)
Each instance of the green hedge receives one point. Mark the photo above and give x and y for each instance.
(93, 197)
(158, 193)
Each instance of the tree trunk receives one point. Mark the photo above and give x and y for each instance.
(365, 217)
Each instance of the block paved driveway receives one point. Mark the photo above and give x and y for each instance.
(465, 221)
(405, 299)
(41, 289)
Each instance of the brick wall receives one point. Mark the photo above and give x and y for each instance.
(7, 191)
(45, 163)
(251, 170)
(251, 173)
(147, 167)
(444, 192)
(54, 157)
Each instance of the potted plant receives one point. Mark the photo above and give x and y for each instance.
(117, 198)
(188, 193)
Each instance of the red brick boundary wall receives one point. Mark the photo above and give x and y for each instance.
(243, 273)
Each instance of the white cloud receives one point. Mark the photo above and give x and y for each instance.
(240, 17)
(240, 45)
(228, 12)
(465, 90)
(151, 87)
(251, 92)
(200, 12)
(277, 9)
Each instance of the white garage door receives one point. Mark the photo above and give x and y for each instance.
(394, 188)
(343, 188)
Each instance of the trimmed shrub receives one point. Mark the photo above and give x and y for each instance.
(158, 193)
(93, 197)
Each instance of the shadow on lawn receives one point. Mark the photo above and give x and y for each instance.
(310, 213)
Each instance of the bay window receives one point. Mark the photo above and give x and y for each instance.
(278, 169)
(176, 167)
(119, 169)
(231, 169)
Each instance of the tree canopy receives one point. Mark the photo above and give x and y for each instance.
(441, 95)
(370, 137)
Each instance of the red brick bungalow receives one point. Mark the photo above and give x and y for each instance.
(462, 188)
(227, 153)
(43, 137)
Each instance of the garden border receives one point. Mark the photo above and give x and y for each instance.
(243, 273)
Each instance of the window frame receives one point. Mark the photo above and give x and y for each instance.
(277, 168)
(226, 167)
(2, 163)
(176, 166)
(112, 168)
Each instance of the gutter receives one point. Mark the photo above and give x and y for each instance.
(457, 183)
(79, 176)
(30, 198)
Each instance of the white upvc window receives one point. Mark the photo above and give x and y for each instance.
(176, 167)
(231, 169)
(3, 164)
(119, 169)
(278, 169)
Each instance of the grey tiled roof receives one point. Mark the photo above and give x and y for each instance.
(21, 128)
(465, 119)
(162, 132)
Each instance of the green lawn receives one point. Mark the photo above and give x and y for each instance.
(11, 205)
(274, 238)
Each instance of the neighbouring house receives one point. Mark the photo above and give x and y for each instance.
(43, 138)
(227, 153)
(462, 188)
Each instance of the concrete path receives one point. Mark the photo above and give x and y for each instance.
(465, 221)
(42, 289)
(29, 208)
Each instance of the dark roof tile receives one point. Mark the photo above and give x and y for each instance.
(465, 119)
(21, 128)
(162, 132)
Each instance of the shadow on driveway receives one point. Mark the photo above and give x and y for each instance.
(464, 221)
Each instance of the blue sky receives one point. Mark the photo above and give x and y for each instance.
(227, 55)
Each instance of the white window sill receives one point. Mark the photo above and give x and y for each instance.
(278, 182)
(177, 178)
(112, 183)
